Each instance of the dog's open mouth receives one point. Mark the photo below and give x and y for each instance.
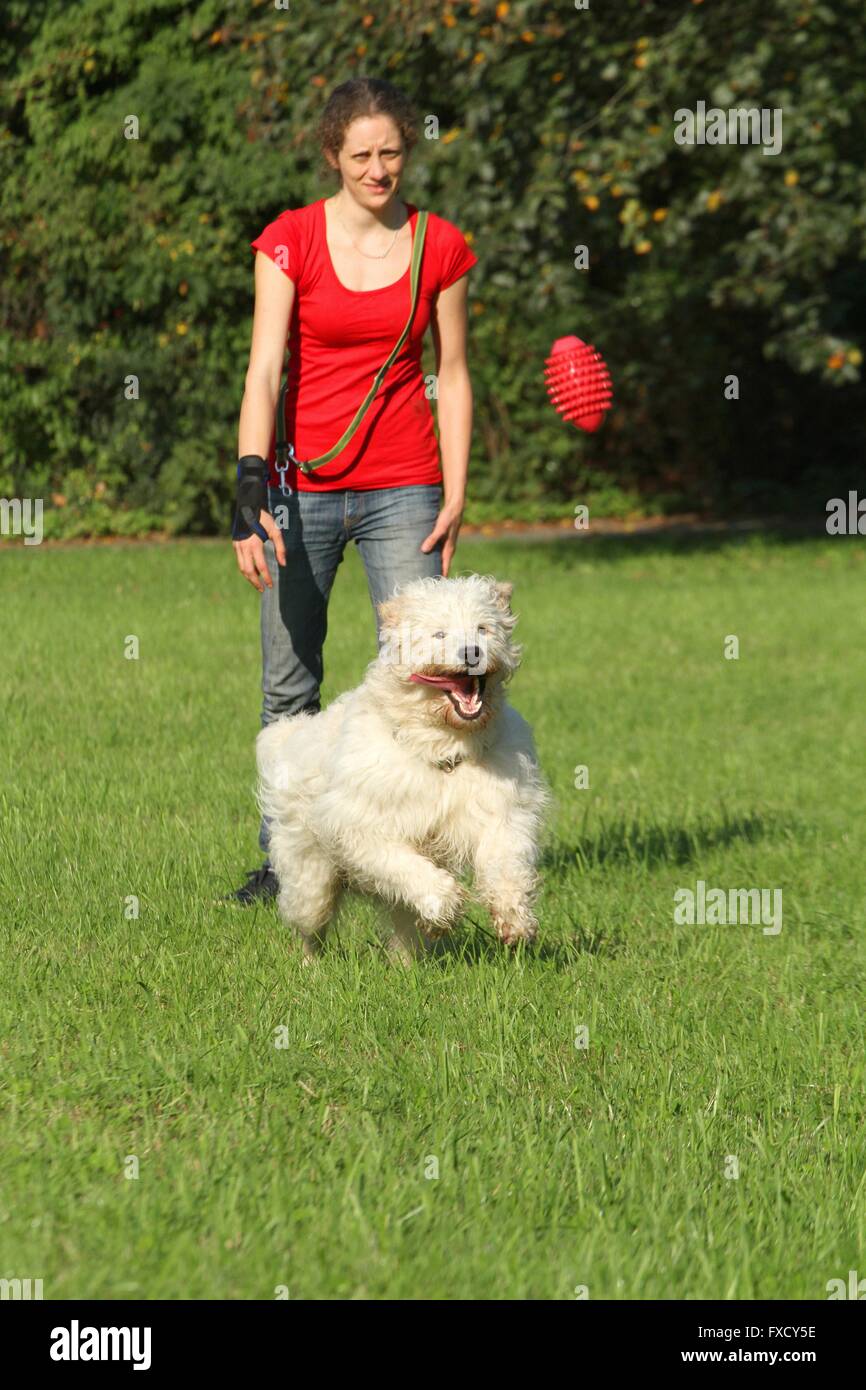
(465, 692)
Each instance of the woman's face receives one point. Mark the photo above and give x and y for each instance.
(371, 161)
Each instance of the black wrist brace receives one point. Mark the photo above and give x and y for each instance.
(252, 498)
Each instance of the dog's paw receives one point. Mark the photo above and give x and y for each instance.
(514, 931)
(401, 951)
(312, 944)
(434, 931)
(438, 909)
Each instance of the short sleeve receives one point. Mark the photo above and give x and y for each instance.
(455, 255)
(280, 241)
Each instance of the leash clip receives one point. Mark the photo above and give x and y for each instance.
(286, 453)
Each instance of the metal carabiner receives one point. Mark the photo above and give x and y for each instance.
(289, 451)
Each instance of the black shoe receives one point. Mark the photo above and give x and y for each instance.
(261, 885)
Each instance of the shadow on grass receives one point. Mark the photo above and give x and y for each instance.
(648, 844)
(624, 841)
(475, 944)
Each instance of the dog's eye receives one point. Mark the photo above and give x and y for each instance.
(483, 630)
(439, 636)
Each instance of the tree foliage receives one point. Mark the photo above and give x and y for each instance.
(553, 129)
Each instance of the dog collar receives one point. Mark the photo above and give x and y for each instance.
(446, 764)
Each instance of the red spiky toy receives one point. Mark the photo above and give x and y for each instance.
(578, 382)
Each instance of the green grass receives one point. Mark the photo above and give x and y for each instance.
(304, 1166)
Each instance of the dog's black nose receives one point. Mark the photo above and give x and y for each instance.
(470, 656)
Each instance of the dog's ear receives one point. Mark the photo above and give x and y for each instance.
(389, 612)
(503, 594)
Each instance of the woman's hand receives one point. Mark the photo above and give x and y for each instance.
(251, 553)
(445, 529)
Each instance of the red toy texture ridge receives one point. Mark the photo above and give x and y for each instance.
(578, 382)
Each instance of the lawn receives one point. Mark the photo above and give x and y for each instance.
(149, 1043)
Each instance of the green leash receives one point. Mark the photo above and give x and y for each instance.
(285, 452)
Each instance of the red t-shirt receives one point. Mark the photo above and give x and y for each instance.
(338, 340)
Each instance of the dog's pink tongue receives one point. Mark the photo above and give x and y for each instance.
(465, 684)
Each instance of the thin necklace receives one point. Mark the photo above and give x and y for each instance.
(368, 255)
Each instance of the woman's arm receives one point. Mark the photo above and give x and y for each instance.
(275, 296)
(448, 325)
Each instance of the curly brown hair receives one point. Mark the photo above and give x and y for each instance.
(365, 96)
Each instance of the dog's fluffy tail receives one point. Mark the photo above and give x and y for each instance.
(280, 762)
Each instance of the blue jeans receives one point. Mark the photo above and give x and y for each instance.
(387, 524)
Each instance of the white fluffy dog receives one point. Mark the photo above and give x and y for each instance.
(422, 772)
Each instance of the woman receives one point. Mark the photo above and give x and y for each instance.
(335, 276)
